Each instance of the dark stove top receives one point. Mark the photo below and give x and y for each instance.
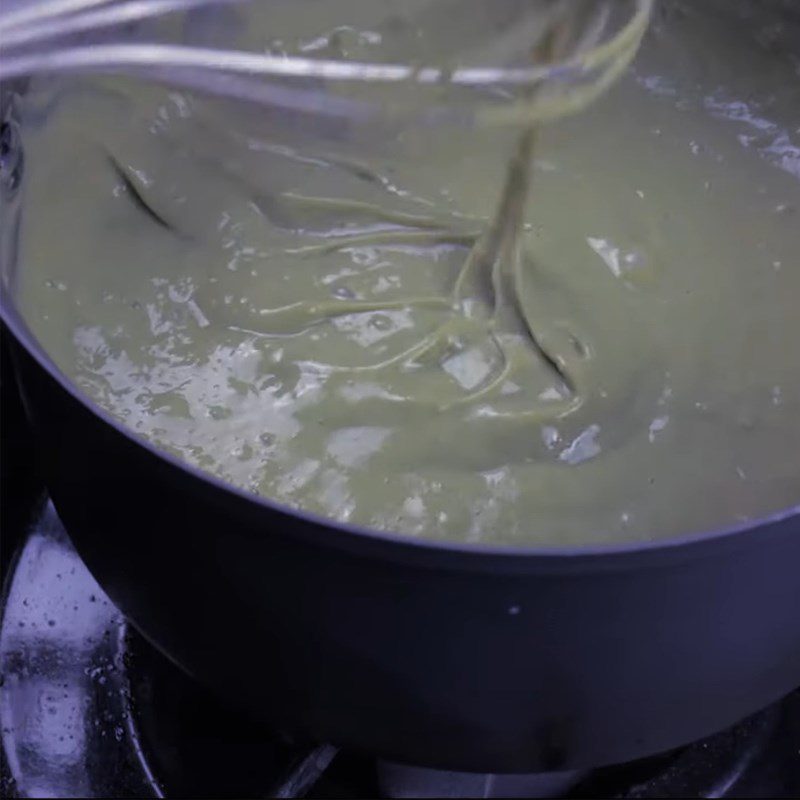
(90, 709)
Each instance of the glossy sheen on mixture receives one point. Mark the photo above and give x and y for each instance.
(317, 328)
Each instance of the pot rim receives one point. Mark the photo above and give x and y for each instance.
(692, 543)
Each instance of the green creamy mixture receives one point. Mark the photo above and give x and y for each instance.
(325, 330)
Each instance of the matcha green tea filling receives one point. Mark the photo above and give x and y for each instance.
(580, 333)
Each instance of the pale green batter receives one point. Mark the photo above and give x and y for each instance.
(316, 328)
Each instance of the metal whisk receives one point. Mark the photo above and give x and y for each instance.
(88, 36)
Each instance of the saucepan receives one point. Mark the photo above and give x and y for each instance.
(449, 655)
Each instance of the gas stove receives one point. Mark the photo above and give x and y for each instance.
(90, 709)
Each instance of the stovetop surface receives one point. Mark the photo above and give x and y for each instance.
(90, 709)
